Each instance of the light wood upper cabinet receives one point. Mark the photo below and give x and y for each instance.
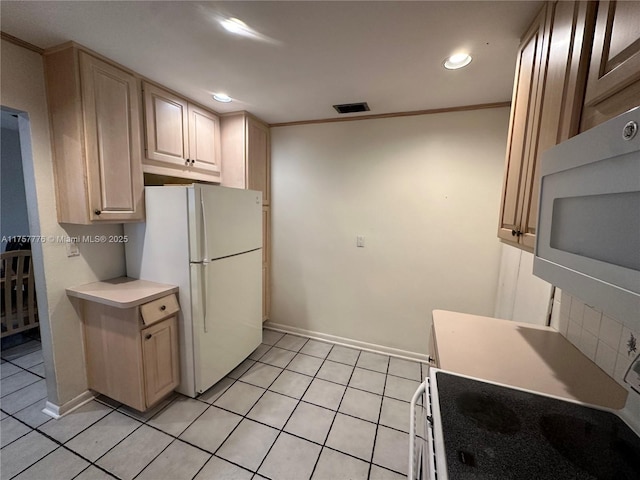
(182, 139)
(545, 110)
(166, 126)
(95, 123)
(204, 139)
(614, 75)
(258, 158)
(524, 115)
(246, 153)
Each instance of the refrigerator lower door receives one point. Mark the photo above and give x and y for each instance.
(227, 320)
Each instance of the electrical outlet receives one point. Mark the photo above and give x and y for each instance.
(72, 248)
(360, 241)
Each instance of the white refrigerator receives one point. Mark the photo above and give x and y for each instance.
(207, 240)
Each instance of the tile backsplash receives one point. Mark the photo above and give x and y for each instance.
(605, 340)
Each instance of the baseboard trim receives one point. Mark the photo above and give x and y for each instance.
(348, 342)
(58, 411)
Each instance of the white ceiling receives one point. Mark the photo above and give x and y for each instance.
(310, 56)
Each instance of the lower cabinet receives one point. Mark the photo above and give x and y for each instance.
(131, 351)
(160, 359)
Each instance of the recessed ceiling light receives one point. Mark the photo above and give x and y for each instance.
(236, 26)
(222, 97)
(456, 61)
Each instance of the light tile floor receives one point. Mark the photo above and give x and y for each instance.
(296, 409)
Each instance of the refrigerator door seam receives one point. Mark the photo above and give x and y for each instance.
(233, 255)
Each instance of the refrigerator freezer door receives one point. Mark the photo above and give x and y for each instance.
(223, 221)
(228, 326)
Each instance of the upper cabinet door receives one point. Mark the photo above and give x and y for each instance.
(257, 148)
(204, 139)
(525, 115)
(182, 139)
(166, 118)
(246, 153)
(546, 107)
(614, 75)
(111, 110)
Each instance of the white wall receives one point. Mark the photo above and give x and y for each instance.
(22, 79)
(13, 202)
(423, 190)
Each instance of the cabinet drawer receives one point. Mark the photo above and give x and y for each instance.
(155, 311)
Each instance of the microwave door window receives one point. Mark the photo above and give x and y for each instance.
(602, 227)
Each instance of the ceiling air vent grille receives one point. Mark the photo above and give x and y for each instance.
(352, 107)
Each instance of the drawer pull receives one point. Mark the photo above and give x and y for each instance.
(148, 336)
(163, 308)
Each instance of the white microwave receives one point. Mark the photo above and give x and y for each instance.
(588, 232)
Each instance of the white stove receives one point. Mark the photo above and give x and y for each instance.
(467, 428)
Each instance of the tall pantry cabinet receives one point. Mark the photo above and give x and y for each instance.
(246, 163)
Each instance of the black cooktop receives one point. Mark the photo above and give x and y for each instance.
(494, 432)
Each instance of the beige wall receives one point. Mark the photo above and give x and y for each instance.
(23, 89)
(423, 190)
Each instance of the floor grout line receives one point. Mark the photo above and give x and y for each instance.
(375, 438)
(288, 418)
(324, 444)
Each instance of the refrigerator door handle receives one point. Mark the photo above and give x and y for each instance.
(203, 272)
(204, 230)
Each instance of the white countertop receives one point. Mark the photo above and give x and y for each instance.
(522, 355)
(121, 292)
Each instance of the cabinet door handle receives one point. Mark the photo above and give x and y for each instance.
(148, 336)
(192, 162)
(97, 212)
(187, 161)
(163, 308)
(516, 233)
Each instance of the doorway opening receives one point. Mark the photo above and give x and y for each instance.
(21, 266)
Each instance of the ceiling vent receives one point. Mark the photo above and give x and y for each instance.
(352, 107)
